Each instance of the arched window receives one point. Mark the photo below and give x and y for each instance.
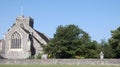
(15, 41)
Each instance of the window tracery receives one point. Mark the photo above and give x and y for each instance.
(15, 41)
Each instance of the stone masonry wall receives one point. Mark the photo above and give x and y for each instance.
(115, 62)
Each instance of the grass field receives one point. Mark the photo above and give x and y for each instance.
(56, 66)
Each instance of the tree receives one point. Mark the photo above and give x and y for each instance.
(115, 42)
(106, 48)
(69, 42)
(93, 50)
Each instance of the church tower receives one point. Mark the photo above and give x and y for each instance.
(21, 20)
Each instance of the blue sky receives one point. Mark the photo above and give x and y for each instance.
(96, 17)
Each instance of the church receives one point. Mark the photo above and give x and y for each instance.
(22, 40)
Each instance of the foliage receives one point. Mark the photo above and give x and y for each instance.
(70, 41)
(107, 50)
(38, 56)
(115, 42)
(79, 57)
(93, 50)
(31, 57)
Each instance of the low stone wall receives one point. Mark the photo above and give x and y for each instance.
(64, 61)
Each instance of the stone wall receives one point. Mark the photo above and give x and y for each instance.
(115, 62)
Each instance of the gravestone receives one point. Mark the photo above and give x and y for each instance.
(101, 55)
(44, 56)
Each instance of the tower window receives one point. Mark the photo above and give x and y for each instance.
(15, 41)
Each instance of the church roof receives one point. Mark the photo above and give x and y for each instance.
(39, 33)
(43, 36)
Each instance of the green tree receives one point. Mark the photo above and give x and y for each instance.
(115, 42)
(106, 48)
(69, 42)
(93, 50)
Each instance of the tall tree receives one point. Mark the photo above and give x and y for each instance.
(115, 42)
(93, 50)
(70, 41)
(106, 48)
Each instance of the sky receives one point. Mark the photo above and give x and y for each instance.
(96, 17)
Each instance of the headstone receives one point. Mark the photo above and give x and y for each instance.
(101, 55)
(44, 56)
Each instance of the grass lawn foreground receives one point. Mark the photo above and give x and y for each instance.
(56, 66)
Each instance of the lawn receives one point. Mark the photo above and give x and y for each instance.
(56, 66)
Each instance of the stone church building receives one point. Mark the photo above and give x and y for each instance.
(22, 40)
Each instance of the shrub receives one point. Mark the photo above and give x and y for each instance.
(31, 57)
(38, 56)
(79, 57)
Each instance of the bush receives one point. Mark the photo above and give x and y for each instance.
(38, 56)
(31, 57)
(79, 57)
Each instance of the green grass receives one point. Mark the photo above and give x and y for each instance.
(56, 66)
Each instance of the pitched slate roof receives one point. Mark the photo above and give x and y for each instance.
(43, 36)
(39, 33)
